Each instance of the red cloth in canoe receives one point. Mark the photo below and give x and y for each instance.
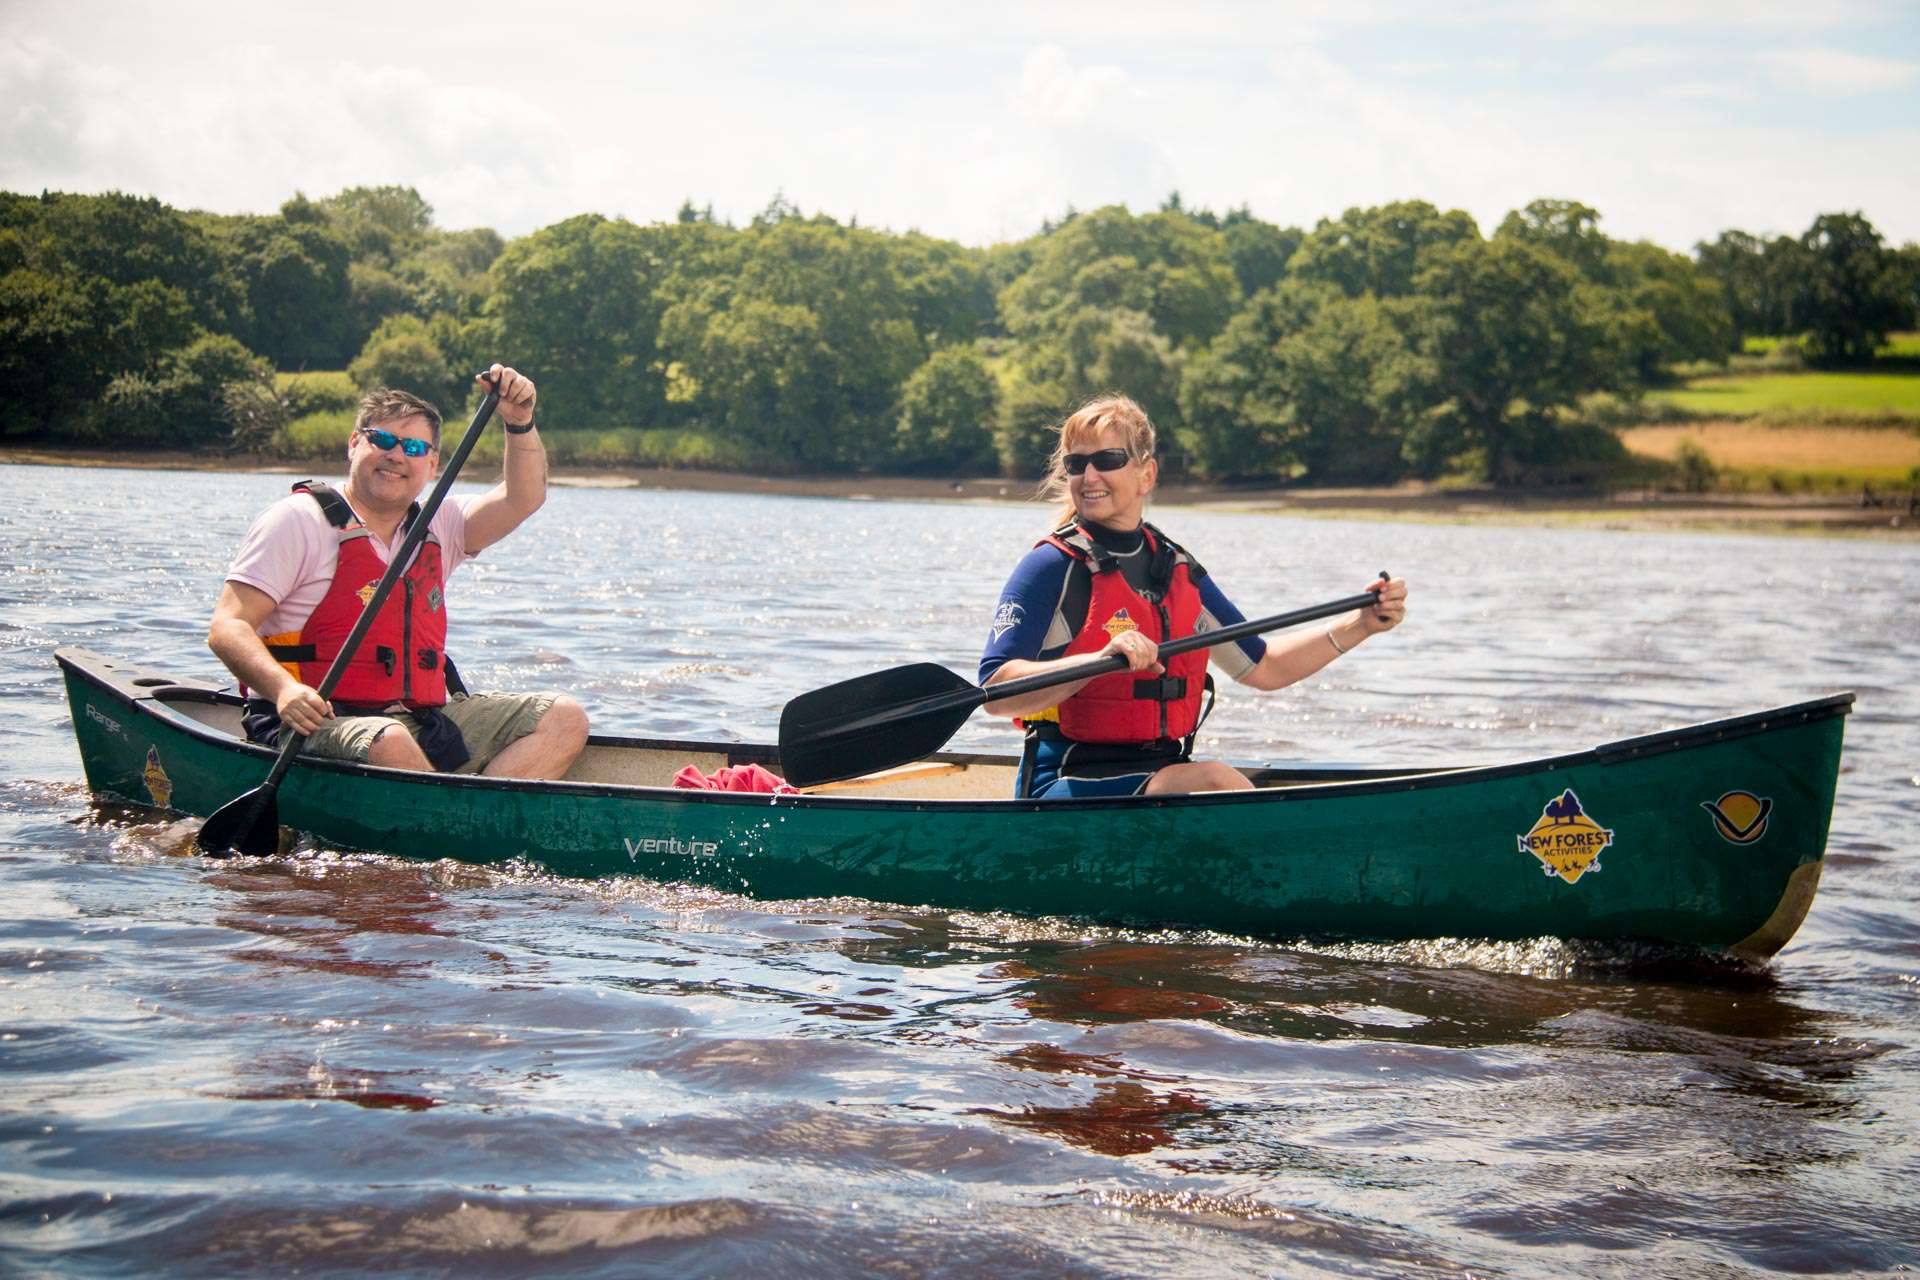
(734, 777)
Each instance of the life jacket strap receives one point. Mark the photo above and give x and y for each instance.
(1162, 688)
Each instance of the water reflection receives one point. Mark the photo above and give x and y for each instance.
(628, 1077)
(1126, 1115)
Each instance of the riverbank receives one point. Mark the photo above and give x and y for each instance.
(1631, 509)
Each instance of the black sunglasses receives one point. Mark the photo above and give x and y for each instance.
(409, 445)
(1102, 460)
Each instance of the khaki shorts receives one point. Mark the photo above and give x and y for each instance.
(490, 723)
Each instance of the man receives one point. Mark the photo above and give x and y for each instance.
(309, 564)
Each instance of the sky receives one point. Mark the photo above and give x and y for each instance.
(977, 122)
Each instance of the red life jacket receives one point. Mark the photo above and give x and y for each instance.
(402, 658)
(1126, 706)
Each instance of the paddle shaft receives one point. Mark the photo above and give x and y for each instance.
(979, 695)
(416, 534)
(1199, 640)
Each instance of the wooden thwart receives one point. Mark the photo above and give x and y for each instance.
(902, 773)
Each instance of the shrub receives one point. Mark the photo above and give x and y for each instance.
(318, 392)
(254, 412)
(196, 379)
(643, 447)
(1786, 355)
(1696, 470)
(402, 353)
(316, 435)
(135, 411)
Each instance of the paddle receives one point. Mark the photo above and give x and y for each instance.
(251, 822)
(893, 717)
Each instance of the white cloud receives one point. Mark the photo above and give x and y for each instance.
(971, 123)
(1051, 91)
(1835, 71)
(1644, 57)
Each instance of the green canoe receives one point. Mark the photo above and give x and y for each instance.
(1710, 835)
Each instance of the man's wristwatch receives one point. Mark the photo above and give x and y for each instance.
(520, 430)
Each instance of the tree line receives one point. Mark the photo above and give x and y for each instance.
(1393, 341)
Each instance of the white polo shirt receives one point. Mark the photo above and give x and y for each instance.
(290, 553)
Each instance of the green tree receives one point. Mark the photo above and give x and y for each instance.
(1259, 251)
(579, 305)
(126, 240)
(1736, 263)
(1854, 294)
(827, 307)
(948, 409)
(1307, 380)
(1513, 333)
(449, 271)
(402, 353)
(373, 293)
(1379, 250)
(945, 287)
(1682, 309)
(1907, 274)
(1567, 229)
(381, 222)
(763, 371)
(1165, 265)
(1033, 401)
(295, 275)
(63, 339)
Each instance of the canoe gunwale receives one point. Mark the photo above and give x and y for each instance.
(147, 694)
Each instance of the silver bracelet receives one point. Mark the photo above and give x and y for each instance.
(1335, 643)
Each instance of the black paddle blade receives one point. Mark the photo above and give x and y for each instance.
(249, 823)
(873, 722)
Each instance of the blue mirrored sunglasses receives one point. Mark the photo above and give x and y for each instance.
(409, 445)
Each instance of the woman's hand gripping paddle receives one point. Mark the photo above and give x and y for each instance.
(251, 822)
(894, 717)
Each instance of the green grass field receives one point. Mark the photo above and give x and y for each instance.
(1801, 397)
(1897, 344)
(1793, 430)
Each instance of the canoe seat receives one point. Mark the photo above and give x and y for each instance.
(918, 771)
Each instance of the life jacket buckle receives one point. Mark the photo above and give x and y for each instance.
(1163, 689)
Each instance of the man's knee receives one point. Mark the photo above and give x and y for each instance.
(395, 748)
(566, 721)
(565, 726)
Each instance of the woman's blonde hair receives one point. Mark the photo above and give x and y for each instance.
(1086, 424)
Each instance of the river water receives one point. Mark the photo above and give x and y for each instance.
(335, 1064)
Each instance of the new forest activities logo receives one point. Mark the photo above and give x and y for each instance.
(1119, 622)
(1565, 839)
(1739, 816)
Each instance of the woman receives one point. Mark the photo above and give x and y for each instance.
(1106, 582)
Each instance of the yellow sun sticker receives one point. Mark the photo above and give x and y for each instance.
(1739, 816)
(1565, 839)
(159, 785)
(1120, 622)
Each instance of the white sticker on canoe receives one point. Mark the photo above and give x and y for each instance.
(108, 723)
(672, 846)
(1565, 839)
